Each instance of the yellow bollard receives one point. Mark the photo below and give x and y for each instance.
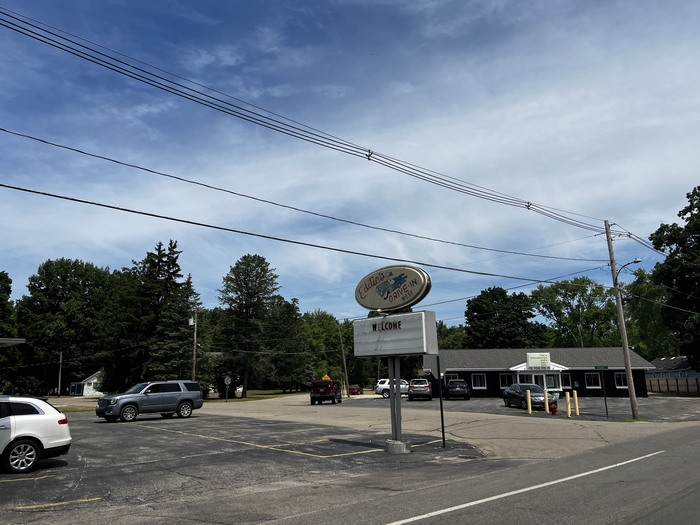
(576, 402)
(529, 403)
(546, 401)
(568, 405)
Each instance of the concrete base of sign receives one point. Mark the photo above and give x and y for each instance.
(398, 447)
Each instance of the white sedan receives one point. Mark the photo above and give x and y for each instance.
(30, 429)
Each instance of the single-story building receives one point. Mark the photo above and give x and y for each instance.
(592, 372)
(673, 375)
(87, 387)
(677, 366)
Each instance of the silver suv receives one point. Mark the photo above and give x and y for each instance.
(382, 387)
(165, 397)
(420, 388)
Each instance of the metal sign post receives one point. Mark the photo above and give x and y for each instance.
(605, 396)
(395, 396)
(387, 291)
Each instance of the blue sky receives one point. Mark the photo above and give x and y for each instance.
(587, 108)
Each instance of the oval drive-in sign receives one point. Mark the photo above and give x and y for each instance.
(393, 287)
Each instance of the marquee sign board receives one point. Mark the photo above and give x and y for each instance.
(538, 360)
(392, 287)
(394, 335)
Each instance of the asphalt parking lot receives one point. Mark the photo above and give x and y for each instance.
(154, 470)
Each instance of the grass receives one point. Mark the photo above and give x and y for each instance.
(254, 395)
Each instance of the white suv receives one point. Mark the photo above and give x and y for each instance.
(382, 387)
(30, 429)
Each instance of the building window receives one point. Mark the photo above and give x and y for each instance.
(524, 378)
(592, 380)
(620, 380)
(505, 380)
(552, 381)
(566, 380)
(479, 381)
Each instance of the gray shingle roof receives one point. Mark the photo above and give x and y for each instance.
(505, 358)
(667, 364)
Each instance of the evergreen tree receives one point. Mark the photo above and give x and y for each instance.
(247, 294)
(7, 310)
(150, 322)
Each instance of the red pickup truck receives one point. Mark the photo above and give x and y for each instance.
(325, 390)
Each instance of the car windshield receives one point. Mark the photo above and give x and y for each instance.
(136, 388)
(534, 389)
(457, 383)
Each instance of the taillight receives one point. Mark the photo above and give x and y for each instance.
(63, 421)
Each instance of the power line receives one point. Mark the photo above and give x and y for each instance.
(268, 237)
(280, 124)
(286, 206)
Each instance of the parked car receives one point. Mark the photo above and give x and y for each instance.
(355, 390)
(30, 429)
(168, 398)
(516, 394)
(382, 387)
(420, 388)
(325, 390)
(456, 388)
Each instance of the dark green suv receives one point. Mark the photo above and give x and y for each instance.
(166, 398)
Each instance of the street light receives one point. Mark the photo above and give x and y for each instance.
(621, 322)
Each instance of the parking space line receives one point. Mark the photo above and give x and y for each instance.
(24, 479)
(277, 446)
(45, 505)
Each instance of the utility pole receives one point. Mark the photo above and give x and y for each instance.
(621, 325)
(193, 321)
(345, 364)
(60, 369)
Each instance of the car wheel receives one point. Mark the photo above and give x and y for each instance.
(523, 404)
(111, 419)
(185, 409)
(128, 413)
(333, 400)
(167, 415)
(466, 398)
(340, 399)
(506, 401)
(430, 398)
(313, 401)
(385, 394)
(22, 456)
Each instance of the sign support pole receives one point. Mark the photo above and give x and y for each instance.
(395, 445)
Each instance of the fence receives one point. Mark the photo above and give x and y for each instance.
(681, 386)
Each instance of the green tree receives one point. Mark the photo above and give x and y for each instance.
(582, 312)
(495, 319)
(7, 310)
(148, 322)
(289, 353)
(60, 319)
(451, 337)
(680, 274)
(645, 302)
(247, 293)
(8, 356)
